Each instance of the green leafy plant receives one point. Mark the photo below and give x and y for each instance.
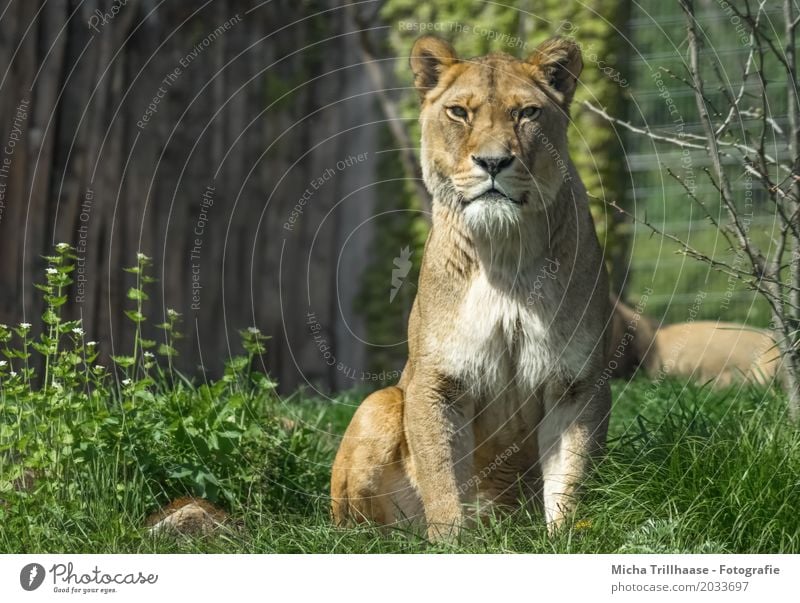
(159, 432)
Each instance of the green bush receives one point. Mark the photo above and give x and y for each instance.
(163, 435)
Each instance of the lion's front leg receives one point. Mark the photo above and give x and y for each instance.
(572, 431)
(440, 440)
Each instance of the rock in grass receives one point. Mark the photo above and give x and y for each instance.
(187, 516)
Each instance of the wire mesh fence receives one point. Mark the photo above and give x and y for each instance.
(662, 172)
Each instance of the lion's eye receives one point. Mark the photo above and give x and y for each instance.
(457, 112)
(529, 112)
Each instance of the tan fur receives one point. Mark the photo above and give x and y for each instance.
(188, 516)
(501, 396)
(632, 338)
(719, 353)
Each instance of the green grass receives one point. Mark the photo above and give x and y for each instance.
(687, 470)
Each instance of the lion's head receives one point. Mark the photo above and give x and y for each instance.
(494, 141)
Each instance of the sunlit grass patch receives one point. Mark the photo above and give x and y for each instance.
(85, 457)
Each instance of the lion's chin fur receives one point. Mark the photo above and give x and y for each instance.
(492, 218)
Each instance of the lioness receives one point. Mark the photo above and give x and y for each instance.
(500, 396)
(720, 353)
(715, 352)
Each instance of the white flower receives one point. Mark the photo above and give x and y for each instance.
(62, 246)
(91, 344)
(52, 271)
(78, 331)
(3, 363)
(254, 330)
(141, 257)
(25, 325)
(149, 355)
(126, 382)
(99, 368)
(13, 373)
(172, 313)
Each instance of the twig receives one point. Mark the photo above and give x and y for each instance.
(709, 215)
(756, 115)
(734, 109)
(690, 85)
(677, 141)
(748, 18)
(687, 249)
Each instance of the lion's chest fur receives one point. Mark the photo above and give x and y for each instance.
(501, 330)
(506, 345)
(511, 346)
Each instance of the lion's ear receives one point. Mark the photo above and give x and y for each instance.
(559, 59)
(430, 57)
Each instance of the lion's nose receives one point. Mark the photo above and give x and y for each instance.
(493, 165)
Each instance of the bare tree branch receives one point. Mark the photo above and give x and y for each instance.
(690, 193)
(734, 102)
(794, 134)
(677, 141)
(753, 253)
(758, 115)
(753, 281)
(748, 18)
(779, 178)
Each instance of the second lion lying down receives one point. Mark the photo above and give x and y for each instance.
(705, 351)
(501, 398)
